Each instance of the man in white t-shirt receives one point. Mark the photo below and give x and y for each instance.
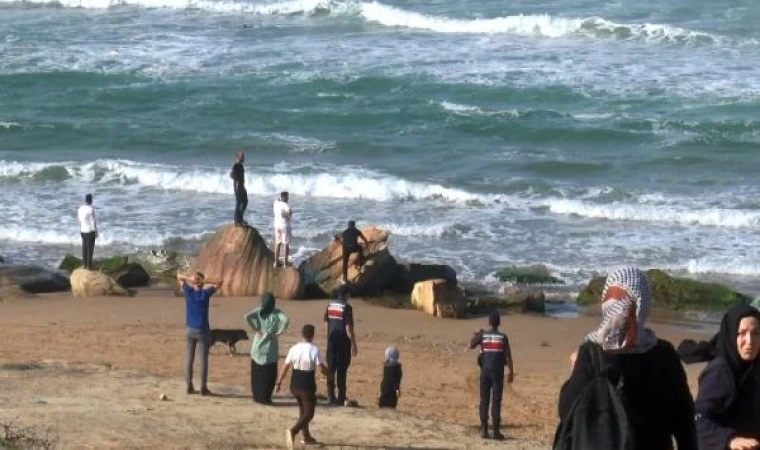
(282, 215)
(304, 358)
(89, 230)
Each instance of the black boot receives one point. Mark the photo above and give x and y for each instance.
(484, 431)
(497, 433)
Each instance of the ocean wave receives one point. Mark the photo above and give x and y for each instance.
(715, 217)
(543, 25)
(18, 233)
(730, 266)
(332, 182)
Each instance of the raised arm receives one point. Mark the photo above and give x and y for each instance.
(361, 236)
(250, 318)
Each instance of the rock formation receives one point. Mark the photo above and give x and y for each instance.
(439, 298)
(93, 283)
(241, 259)
(323, 271)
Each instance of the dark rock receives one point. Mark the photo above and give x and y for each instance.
(131, 275)
(32, 279)
(407, 275)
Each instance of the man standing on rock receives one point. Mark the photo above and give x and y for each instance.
(341, 344)
(350, 243)
(197, 299)
(238, 183)
(495, 354)
(282, 215)
(88, 229)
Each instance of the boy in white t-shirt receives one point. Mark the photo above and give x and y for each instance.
(282, 215)
(304, 358)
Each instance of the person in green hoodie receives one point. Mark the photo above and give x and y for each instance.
(268, 323)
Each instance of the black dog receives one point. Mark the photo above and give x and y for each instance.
(229, 337)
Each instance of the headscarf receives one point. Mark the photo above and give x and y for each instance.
(391, 354)
(726, 342)
(624, 319)
(267, 304)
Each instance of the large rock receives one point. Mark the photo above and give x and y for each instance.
(162, 263)
(674, 293)
(407, 275)
(127, 273)
(92, 283)
(323, 272)
(240, 258)
(31, 279)
(439, 298)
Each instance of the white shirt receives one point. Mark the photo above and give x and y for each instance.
(86, 216)
(304, 356)
(281, 208)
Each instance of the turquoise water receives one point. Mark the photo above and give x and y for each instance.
(577, 134)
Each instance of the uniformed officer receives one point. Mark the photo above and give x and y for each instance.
(495, 354)
(341, 344)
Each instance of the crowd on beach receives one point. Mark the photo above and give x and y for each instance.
(627, 389)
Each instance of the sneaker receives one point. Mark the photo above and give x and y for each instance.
(289, 439)
(190, 389)
(308, 441)
(205, 392)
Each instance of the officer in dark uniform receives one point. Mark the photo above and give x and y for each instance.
(341, 344)
(494, 355)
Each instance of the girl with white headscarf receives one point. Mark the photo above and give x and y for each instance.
(654, 385)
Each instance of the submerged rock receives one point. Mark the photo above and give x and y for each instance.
(534, 274)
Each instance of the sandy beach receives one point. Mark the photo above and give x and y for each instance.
(92, 370)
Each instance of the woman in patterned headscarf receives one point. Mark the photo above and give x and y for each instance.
(654, 385)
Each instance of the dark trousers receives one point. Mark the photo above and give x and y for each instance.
(307, 402)
(263, 380)
(338, 360)
(241, 203)
(347, 254)
(491, 389)
(197, 338)
(388, 400)
(88, 248)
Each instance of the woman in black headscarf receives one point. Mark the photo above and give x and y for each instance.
(728, 402)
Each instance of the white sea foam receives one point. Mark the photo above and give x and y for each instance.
(275, 8)
(618, 211)
(111, 236)
(9, 125)
(333, 182)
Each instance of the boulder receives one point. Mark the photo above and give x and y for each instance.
(127, 273)
(439, 298)
(407, 275)
(93, 283)
(240, 258)
(674, 293)
(162, 263)
(323, 271)
(131, 275)
(528, 300)
(31, 279)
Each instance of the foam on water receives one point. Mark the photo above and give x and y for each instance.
(333, 182)
(715, 217)
(19, 233)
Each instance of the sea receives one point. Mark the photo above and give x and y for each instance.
(582, 135)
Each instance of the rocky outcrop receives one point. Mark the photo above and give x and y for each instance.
(93, 283)
(535, 274)
(162, 263)
(407, 275)
(127, 273)
(439, 298)
(323, 271)
(674, 293)
(30, 280)
(240, 258)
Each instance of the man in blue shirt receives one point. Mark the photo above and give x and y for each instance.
(196, 319)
